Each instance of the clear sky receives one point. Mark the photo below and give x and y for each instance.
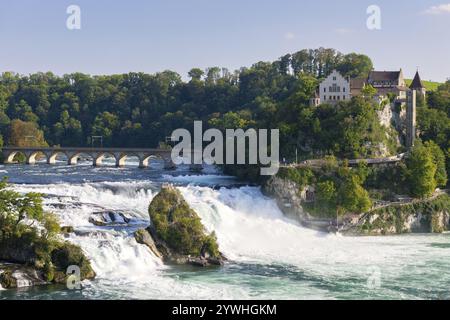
(120, 36)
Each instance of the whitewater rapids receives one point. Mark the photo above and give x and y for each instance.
(271, 257)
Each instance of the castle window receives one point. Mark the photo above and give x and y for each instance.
(343, 89)
(324, 89)
(335, 88)
(334, 78)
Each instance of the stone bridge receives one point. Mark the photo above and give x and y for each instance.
(96, 154)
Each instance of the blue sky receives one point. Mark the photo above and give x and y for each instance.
(120, 36)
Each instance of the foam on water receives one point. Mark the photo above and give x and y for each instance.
(277, 257)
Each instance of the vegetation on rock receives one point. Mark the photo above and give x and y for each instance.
(425, 169)
(179, 227)
(29, 235)
(428, 216)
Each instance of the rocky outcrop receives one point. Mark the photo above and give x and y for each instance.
(392, 115)
(108, 218)
(31, 245)
(426, 216)
(70, 255)
(290, 198)
(417, 216)
(20, 276)
(26, 261)
(142, 236)
(66, 230)
(177, 234)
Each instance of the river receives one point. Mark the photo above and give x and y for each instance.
(270, 256)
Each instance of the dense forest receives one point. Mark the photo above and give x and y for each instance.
(141, 110)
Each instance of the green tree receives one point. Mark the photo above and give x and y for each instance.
(368, 91)
(352, 197)
(326, 193)
(439, 159)
(421, 172)
(355, 65)
(196, 74)
(105, 125)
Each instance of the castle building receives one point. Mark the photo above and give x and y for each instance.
(388, 82)
(334, 88)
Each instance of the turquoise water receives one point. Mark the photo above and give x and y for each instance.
(270, 256)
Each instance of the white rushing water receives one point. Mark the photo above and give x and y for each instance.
(270, 256)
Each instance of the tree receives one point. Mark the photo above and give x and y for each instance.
(352, 197)
(25, 134)
(105, 125)
(230, 120)
(439, 159)
(212, 75)
(368, 91)
(421, 172)
(196, 74)
(326, 192)
(434, 125)
(15, 208)
(68, 131)
(355, 65)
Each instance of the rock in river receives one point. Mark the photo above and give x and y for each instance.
(177, 233)
(108, 218)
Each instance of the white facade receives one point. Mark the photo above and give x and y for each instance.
(334, 88)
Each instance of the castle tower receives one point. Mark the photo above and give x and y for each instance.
(417, 85)
(411, 101)
(315, 101)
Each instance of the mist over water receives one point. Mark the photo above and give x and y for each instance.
(271, 257)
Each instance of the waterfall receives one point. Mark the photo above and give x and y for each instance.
(276, 256)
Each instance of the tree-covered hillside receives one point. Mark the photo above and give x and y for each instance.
(71, 108)
(140, 110)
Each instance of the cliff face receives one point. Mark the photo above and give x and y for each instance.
(420, 216)
(426, 216)
(394, 120)
(290, 197)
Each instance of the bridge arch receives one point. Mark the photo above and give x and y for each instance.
(31, 156)
(10, 158)
(121, 158)
(52, 156)
(73, 158)
(99, 157)
(144, 160)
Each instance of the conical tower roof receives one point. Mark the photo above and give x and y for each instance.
(417, 82)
